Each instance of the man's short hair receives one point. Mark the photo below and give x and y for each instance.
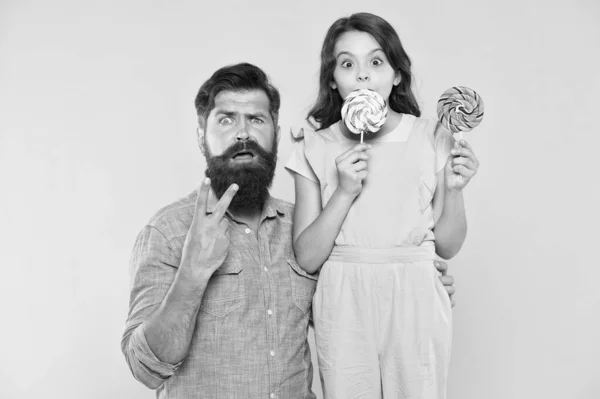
(238, 77)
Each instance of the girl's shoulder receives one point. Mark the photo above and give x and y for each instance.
(425, 125)
(309, 132)
(429, 128)
(330, 134)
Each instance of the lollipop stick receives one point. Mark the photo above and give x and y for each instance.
(361, 136)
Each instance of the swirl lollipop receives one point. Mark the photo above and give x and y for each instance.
(364, 111)
(460, 109)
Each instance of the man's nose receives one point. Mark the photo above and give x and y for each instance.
(242, 133)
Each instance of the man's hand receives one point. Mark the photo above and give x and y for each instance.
(207, 240)
(448, 281)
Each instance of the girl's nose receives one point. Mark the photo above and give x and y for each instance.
(362, 76)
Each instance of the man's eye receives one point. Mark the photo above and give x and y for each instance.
(257, 120)
(226, 121)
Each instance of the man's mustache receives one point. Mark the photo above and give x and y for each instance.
(244, 146)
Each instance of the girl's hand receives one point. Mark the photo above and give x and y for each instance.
(461, 166)
(352, 169)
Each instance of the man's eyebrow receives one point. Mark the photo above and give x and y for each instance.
(225, 112)
(258, 114)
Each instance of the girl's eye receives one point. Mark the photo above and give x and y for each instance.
(346, 64)
(376, 62)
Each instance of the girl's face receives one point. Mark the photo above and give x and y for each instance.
(362, 64)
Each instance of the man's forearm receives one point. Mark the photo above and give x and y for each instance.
(170, 328)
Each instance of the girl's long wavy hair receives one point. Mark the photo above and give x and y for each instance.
(328, 107)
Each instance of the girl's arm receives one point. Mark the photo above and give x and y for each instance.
(315, 228)
(448, 206)
(451, 222)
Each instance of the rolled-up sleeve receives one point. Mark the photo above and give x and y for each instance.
(298, 163)
(152, 270)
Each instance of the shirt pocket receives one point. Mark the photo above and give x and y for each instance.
(303, 286)
(224, 291)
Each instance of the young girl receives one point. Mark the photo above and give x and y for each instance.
(372, 217)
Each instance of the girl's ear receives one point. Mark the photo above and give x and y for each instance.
(397, 79)
(333, 85)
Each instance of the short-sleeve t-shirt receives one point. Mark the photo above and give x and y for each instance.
(394, 208)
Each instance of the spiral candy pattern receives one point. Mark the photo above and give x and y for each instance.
(364, 110)
(460, 109)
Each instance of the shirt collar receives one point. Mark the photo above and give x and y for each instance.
(271, 208)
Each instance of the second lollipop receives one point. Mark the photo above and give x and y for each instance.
(460, 109)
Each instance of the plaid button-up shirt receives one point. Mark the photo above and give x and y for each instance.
(251, 332)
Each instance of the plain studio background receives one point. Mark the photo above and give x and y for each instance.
(97, 123)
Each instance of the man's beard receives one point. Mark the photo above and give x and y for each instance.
(253, 178)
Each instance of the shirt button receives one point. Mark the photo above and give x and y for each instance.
(270, 312)
(272, 353)
(272, 395)
(266, 269)
(248, 231)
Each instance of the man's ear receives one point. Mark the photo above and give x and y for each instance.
(277, 135)
(200, 138)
